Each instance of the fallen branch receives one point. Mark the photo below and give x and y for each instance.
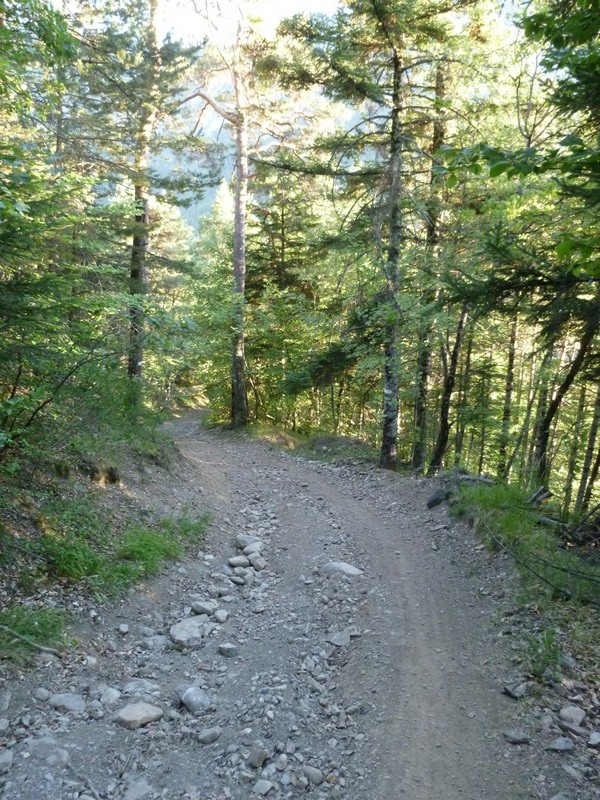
(29, 641)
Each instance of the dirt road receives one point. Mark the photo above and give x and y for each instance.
(303, 680)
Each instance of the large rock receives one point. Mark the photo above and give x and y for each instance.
(191, 632)
(207, 607)
(195, 699)
(67, 702)
(572, 714)
(341, 567)
(243, 540)
(137, 715)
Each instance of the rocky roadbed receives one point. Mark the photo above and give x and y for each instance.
(335, 639)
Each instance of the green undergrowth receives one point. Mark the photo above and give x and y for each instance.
(551, 569)
(558, 581)
(107, 564)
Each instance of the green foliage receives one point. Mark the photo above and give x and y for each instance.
(148, 549)
(41, 626)
(506, 522)
(543, 654)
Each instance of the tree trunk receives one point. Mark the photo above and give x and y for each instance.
(502, 470)
(139, 280)
(589, 455)
(587, 498)
(432, 239)
(463, 394)
(448, 388)
(239, 394)
(542, 467)
(575, 449)
(389, 439)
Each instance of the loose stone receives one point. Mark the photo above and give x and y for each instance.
(258, 755)
(313, 774)
(340, 639)
(221, 616)
(243, 540)
(561, 745)
(67, 702)
(109, 696)
(263, 787)
(123, 629)
(341, 567)
(594, 740)
(258, 562)
(191, 632)
(239, 561)
(572, 714)
(207, 607)
(196, 700)
(209, 735)
(228, 650)
(516, 737)
(137, 715)
(41, 694)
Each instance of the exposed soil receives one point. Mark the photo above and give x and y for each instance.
(406, 702)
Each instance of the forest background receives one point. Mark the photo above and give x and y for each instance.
(404, 242)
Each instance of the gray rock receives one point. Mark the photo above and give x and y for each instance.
(207, 607)
(561, 745)
(594, 740)
(516, 737)
(42, 694)
(110, 696)
(209, 735)
(141, 686)
(342, 568)
(258, 755)
(340, 639)
(196, 700)
(243, 540)
(572, 714)
(138, 789)
(123, 629)
(6, 760)
(313, 774)
(517, 691)
(67, 702)
(228, 650)
(253, 549)
(191, 632)
(263, 787)
(561, 796)
(4, 724)
(137, 715)
(221, 616)
(239, 561)
(258, 562)
(281, 763)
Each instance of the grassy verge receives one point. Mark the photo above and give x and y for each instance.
(559, 583)
(25, 630)
(73, 542)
